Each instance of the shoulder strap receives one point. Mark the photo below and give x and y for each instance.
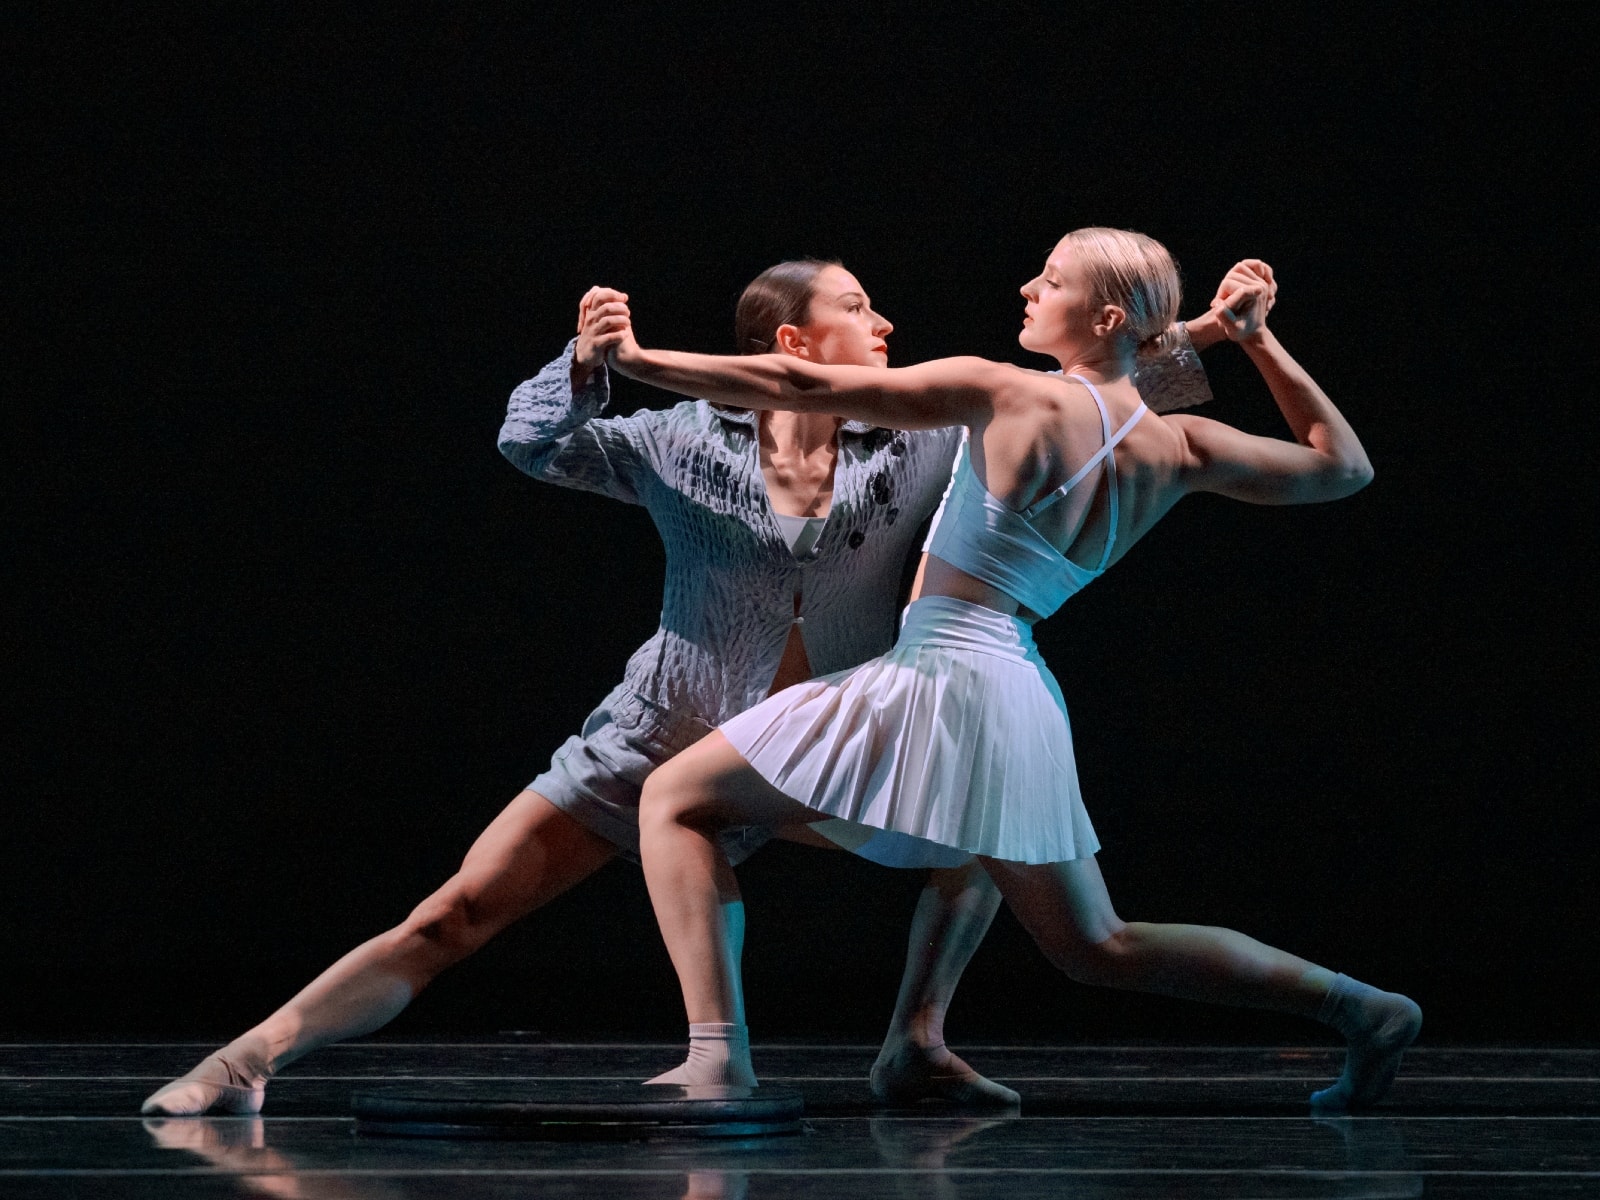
(1101, 455)
(1111, 486)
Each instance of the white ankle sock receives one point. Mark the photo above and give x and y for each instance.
(719, 1053)
(1379, 1026)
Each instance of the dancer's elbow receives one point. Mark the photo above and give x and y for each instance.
(1346, 477)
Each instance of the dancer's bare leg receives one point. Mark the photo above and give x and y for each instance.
(529, 854)
(696, 897)
(702, 918)
(1066, 908)
(952, 915)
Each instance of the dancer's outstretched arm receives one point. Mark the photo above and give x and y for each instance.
(930, 395)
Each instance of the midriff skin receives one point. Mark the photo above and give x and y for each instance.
(935, 577)
(794, 667)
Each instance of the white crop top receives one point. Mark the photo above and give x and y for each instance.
(997, 544)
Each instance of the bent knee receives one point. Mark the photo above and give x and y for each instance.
(1093, 957)
(1102, 963)
(671, 796)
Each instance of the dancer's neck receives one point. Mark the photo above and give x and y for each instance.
(798, 455)
(1100, 362)
(786, 434)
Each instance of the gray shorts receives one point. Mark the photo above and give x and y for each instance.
(596, 777)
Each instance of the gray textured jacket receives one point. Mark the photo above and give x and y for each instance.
(732, 583)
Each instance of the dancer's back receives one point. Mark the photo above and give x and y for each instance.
(1061, 465)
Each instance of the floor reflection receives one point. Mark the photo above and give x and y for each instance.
(921, 1149)
(1375, 1154)
(716, 1185)
(915, 1158)
(239, 1145)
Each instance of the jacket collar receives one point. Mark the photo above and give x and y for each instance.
(746, 418)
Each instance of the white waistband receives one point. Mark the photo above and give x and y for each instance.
(946, 621)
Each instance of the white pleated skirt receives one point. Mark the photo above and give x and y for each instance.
(958, 736)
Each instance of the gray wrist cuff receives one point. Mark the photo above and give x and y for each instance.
(1170, 376)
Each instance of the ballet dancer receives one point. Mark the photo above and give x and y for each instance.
(787, 538)
(959, 735)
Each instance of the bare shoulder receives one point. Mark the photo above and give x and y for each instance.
(1039, 393)
(1198, 439)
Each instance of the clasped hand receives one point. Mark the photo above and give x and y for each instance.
(1244, 298)
(604, 324)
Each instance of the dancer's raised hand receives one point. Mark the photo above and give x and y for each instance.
(1213, 325)
(623, 350)
(602, 318)
(1244, 298)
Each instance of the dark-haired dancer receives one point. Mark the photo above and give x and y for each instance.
(787, 537)
(959, 735)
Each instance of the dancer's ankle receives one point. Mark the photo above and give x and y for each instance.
(922, 1030)
(1378, 1027)
(251, 1055)
(719, 1054)
(226, 1080)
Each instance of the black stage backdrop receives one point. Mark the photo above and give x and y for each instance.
(287, 631)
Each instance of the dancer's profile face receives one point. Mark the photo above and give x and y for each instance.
(841, 327)
(1060, 309)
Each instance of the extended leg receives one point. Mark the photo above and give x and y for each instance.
(1066, 909)
(529, 854)
(953, 913)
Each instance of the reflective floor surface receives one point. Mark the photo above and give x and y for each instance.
(1095, 1122)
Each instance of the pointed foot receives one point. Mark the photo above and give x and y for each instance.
(914, 1074)
(219, 1084)
(1373, 1058)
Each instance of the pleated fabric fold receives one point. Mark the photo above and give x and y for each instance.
(958, 736)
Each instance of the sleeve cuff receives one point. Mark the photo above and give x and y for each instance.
(1171, 377)
(595, 393)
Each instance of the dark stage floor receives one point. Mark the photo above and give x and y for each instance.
(1096, 1122)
